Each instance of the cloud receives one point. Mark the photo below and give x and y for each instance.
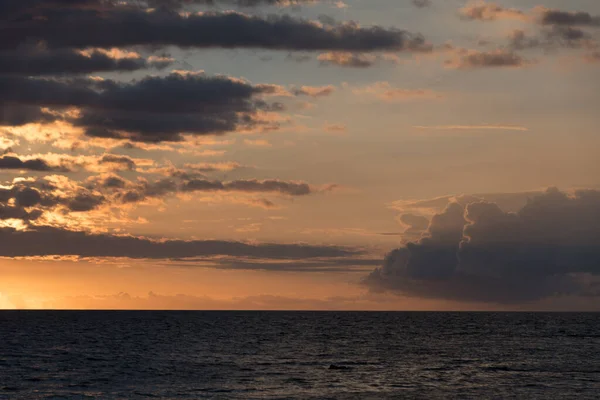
(122, 161)
(550, 247)
(352, 60)
(554, 37)
(34, 164)
(386, 92)
(313, 91)
(126, 26)
(178, 4)
(153, 109)
(473, 127)
(47, 241)
(508, 202)
(567, 18)
(33, 6)
(363, 60)
(252, 186)
(48, 195)
(482, 11)
(66, 203)
(474, 59)
(416, 224)
(38, 61)
(342, 264)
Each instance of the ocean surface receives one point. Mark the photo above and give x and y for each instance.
(298, 355)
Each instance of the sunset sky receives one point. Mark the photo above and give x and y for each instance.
(308, 154)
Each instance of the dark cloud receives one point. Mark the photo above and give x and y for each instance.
(566, 36)
(12, 212)
(152, 109)
(354, 264)
(113, 190)
(550, 247)
(46, 241)
(19, 114)
(178, 4)
(139, 191)
(121, 27)
(567, 18)
(44, 196)
(554, 37)
(483, 11)
(35, 61)
(84, 201)
(35, 164)
(253, 185)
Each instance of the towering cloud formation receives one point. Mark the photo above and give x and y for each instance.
(481, 253)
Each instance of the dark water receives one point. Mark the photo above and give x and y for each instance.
(252, 355)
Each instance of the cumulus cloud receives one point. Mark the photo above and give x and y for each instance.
(152, 109)
(508, 202)
(415, 224)
(479, 252)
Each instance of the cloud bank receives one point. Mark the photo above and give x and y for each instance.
(550, 247)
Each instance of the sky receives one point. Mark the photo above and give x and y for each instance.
(300, 154)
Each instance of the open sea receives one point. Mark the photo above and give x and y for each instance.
(298, 355)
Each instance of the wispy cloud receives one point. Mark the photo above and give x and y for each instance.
(473, 127)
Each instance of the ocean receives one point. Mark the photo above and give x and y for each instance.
(298, 355)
